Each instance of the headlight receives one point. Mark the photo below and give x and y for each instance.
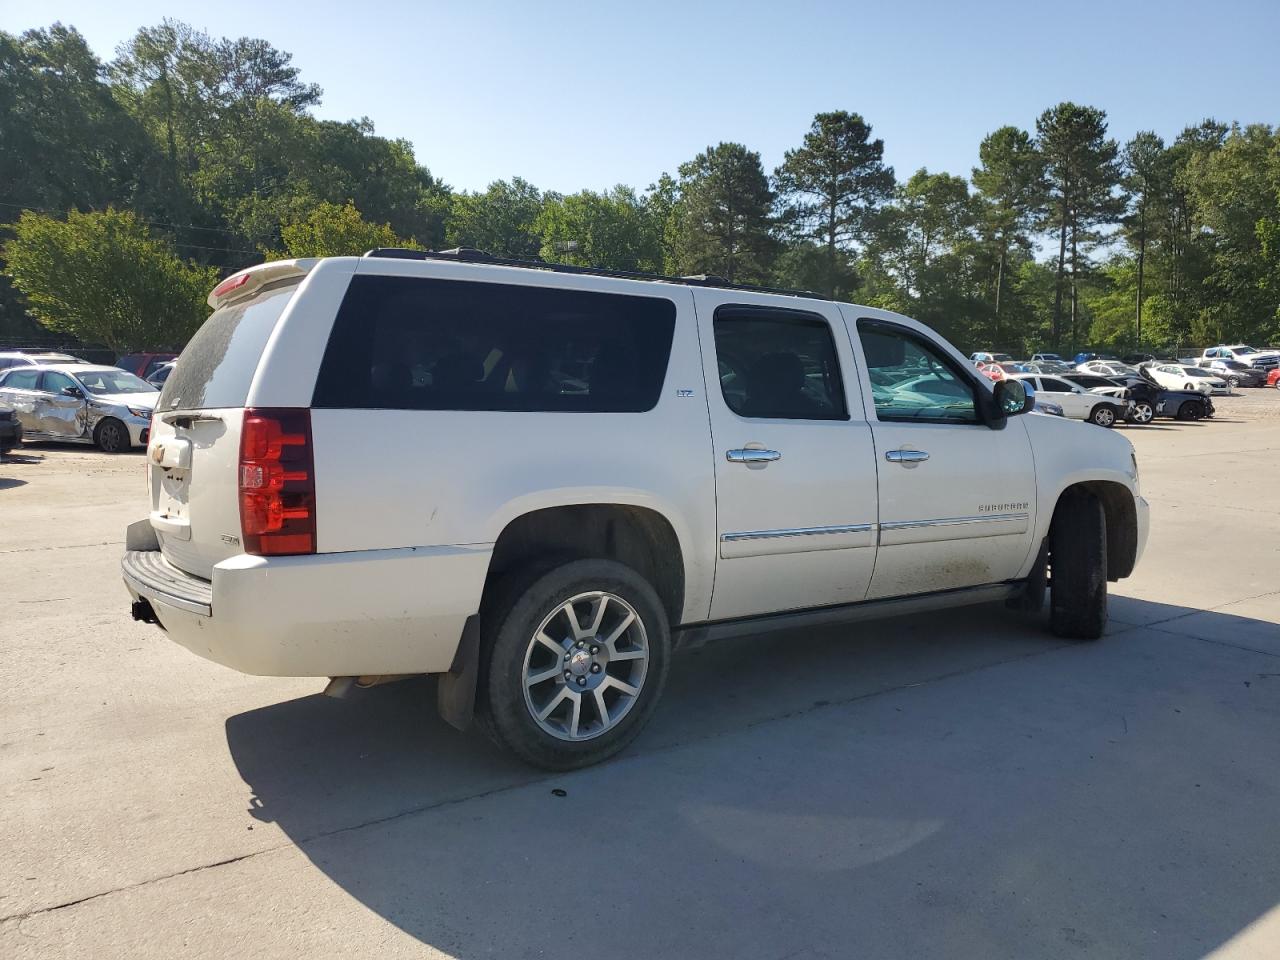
(140, 412)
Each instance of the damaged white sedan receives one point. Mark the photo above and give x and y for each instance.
(80, 403)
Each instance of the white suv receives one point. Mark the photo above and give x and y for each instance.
(535, 481)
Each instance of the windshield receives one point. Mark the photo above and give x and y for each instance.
(1243, 348)
(1196, 372)
(113, 381)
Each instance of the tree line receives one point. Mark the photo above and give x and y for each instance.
(131, 185)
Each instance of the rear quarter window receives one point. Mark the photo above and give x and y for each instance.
(413, 343)
(218, 364)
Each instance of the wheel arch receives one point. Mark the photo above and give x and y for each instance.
(1121, 514)
(640, 537)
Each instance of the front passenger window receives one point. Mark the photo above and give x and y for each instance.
(912, 380)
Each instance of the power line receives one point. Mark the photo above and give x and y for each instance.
(157, 223)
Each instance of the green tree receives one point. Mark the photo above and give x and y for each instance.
(1147, 182)
(1083, 172)
(1012, 191)
(831, 187)
(330, 230)
(615, 230)
(725, 222)
(105, 278)
(501, 221)
(923, 255)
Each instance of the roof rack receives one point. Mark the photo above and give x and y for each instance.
(472, 255)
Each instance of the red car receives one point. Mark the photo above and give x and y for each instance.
(1273, 378)
(144, 364)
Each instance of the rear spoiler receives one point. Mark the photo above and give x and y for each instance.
(250, 279)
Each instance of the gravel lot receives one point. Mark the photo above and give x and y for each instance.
(954, 786)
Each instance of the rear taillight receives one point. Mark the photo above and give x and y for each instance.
(277, 483)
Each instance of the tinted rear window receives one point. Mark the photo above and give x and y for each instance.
(218, 364)
(420, 344)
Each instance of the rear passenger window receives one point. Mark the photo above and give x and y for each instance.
(778, 365)
(1055, 386)
(412, 343)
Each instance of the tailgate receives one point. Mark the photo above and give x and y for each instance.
(192, 462)
(194, 449)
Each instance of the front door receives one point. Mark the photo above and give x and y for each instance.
(957, 498)
(794, 464)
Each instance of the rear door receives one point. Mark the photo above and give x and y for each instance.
(194, 449)
(957, 498)
(794, 464)
(60, 414)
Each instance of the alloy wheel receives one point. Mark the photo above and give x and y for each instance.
(585, 666)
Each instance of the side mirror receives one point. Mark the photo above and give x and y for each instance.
(1013, 397)
(72, 392)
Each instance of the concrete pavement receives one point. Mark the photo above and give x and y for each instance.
(956, 786)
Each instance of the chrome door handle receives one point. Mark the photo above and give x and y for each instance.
(752, 455)
(906, 456)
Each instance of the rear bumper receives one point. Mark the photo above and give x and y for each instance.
(328, 615)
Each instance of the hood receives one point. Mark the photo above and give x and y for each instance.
(144, 401)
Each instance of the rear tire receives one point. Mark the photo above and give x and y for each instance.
(1078, 567)
(112, 436)
(1143, 412)
(579, 715)
(1233, 383)
(1104, 415)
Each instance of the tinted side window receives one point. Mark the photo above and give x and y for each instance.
(912, 380)
(19, 379)
(1055, 386)
(422, 344)
(778, 365)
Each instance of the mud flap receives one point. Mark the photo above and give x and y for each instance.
(456, 690)
(1031, 599)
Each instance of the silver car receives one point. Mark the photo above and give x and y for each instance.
(80, 403)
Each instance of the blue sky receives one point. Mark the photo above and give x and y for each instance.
(584, 95)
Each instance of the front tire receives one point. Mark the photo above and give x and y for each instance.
(573, 663)
(1191, 410)
(1078, 567)
(112, 436)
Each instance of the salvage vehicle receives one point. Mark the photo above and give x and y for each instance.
(1236, 372)
(1181, 377)
(1263, 359)
(534, 480)
(10, 430)
(80, 403)
(22, 358)
(1273, 378)
(1077, 402)
(144, 364)
(1150, 399)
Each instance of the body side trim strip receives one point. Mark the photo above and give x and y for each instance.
(955, 521)
(795, 532)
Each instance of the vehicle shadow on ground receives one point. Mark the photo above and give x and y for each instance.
(881, 790)
(7, 482)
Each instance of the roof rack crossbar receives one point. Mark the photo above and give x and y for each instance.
(472, 255)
